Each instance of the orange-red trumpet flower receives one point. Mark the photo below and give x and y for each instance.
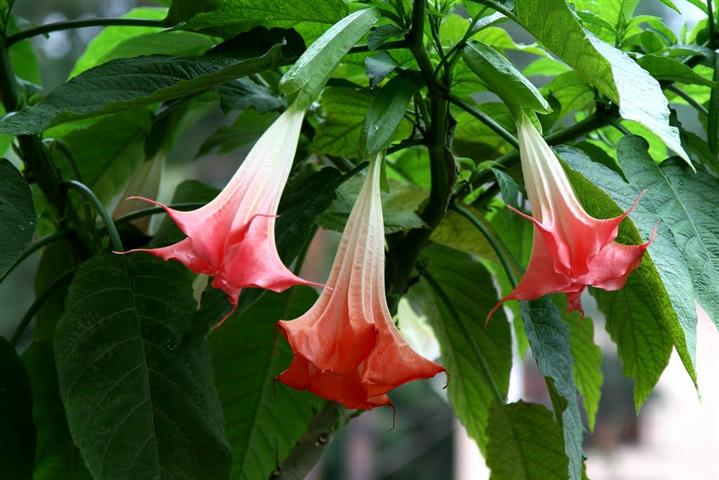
(346, 347)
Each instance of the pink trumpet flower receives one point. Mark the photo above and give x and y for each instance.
(346, 347)
(571, 249)
(232, 238)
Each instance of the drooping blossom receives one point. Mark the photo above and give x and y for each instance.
(232, 238)
(571, 249)
(346, 347)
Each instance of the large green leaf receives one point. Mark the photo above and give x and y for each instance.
(306, 78)
(617, 76)
(17, 215)
(244, 14)
(639, 316)
(667, 257)
(124, 83)
(56, 456)
(17, 432)
(263, 418)
(548, 338)
(456, 299)
(140, 401)
(525, 443)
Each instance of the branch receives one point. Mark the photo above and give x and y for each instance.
(89, 22)
(308, 449)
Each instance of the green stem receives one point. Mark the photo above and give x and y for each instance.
(43, 242)
(100, 208)
(487, 120)
(37, 304)
(89, 22)
(494, 242)
(484, 366)
(688, 98)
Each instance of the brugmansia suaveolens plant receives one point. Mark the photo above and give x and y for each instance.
(453, 181)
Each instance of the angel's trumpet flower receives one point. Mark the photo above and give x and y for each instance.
(232, 238)
(571, 249)
(346, 347)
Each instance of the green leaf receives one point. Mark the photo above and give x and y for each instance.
(242, 15)
(503, 79)
(385, 114)
(399, 205)
(548, 338)
(307, 77)
(508, 187)
(181, 10)
(263, 418)
(617, 76)
(525, 443)
(344, 113)
(474, 139)
(17, 431)
(658, 297)
(378, 66)
(477, 359)
(665, 68)
(686, 205)
(114, 86)
(138, 401)
(587, 363)
(56, 456)
(17, 215)
(244, 93)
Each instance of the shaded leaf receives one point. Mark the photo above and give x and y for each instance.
(385, 115)
(114, 86)
(477, 359)
(17, 215)
(56, 455)
(17, 431)
(138, 401)
(263, 418)
(587, 363)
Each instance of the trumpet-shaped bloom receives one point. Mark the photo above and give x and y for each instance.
(346, 347)
(571, 249)
(232, 238)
